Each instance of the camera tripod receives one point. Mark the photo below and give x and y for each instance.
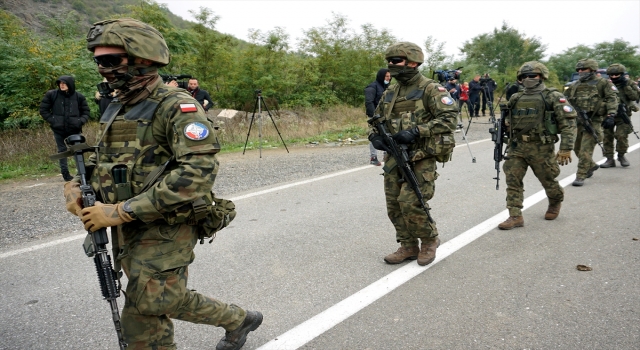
(258, 107)
(487, 96)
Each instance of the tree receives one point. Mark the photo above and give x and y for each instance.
(435, 58)
(502, 49)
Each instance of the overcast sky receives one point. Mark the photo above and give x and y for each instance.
(558, 24)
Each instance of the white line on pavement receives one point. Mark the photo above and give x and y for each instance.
(322, 322)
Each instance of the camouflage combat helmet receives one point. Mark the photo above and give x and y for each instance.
(533, 67)
(616, 68)
(587, 63)
(406, 49)
(137, 38)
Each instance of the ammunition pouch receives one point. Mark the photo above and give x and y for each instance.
(209, 213)
(441, 146)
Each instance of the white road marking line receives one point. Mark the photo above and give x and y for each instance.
(322, 322)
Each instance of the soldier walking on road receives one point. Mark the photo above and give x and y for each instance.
(416, 110)
(597, 97)
(149, 124)
(536, 116)
(627, 95)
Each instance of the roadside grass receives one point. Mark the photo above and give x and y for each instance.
(24, 153)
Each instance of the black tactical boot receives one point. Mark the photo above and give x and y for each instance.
(66, 176)
(590, 171)
(610, 163)
(623, 161)
(234, 340)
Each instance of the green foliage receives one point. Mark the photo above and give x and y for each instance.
(606, 53)
(502, 49)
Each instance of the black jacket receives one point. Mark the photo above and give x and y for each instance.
(201, 96)
(373, 92)
(474, 88)
(66, 112)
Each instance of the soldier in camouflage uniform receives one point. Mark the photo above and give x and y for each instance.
(627, 94)
(597, 97)
(151, 126)
(417, 111)
(536, 116)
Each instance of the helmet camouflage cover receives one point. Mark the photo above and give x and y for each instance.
(534, 67)
(587, 63)
(616, 68)
(137, 38)
(406, 49)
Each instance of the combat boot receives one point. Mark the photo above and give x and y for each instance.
(578, 181)
(428, 251)
(234, 340)
(623, 161)
(511, 222)
(610, 163)
(552, 211)
(590, 171)
(402, 254)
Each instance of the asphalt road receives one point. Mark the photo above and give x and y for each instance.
(308, 255)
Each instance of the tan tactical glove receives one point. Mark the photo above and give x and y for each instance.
(563, 157)
(104, 215)
(73, 196)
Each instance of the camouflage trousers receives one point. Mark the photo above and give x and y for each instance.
(403, 207)
(156, 262)
(542, 160)
(584, 146)
(620, 135)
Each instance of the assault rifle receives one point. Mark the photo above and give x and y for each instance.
(622, 112)
(586, 122)
(498, 133)
(96, 243)
(399, 153)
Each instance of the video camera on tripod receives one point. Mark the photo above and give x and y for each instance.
(446, 75)
(178, 78)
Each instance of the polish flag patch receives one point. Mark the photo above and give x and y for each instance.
(188, 107)
(613, 87)
(440, 88)
(563, 100)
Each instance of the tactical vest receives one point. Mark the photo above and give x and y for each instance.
(127, 152)
(532, 120)
(404, 114)
(585, 96)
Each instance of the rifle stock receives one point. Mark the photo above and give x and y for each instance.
(399, 153)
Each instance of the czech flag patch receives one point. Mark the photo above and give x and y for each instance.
(196, 131)
(447, 100)
(188, 107)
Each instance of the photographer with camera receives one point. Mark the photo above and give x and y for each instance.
(488, 86)
(475, 87)
(171, 81)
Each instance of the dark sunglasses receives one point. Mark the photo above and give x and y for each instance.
(614, 75)
(109, 60)
(531, 76)
(396, 60)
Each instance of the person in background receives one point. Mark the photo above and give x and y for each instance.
(66, 111)
(372, 94)
(200, 95)
(474, 96)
